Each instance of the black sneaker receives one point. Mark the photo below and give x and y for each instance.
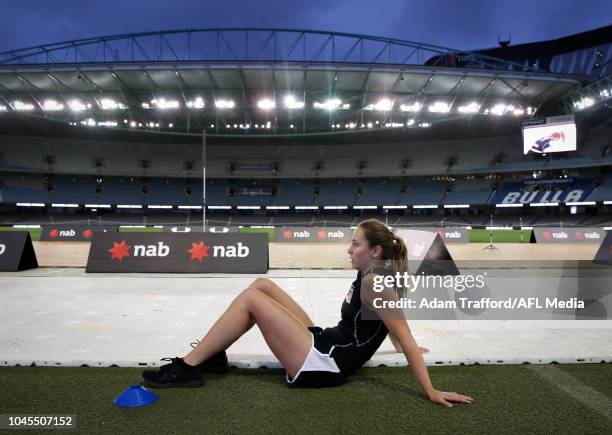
(176, 374)
(217, 363)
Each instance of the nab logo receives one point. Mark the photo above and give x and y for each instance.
(591, 236)
(63, 233)
(200, 250)
(2, 248)
(297, 234)
(231, 251)
(87, 233)
(561, 235)
(330, 234)
(450, 235)
(122, 250)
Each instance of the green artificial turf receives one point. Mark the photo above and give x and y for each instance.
(508, 398)
(268, 231)
(139, 230)
(499, 236)
(34, 232)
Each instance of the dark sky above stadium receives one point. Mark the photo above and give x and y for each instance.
(465, 24)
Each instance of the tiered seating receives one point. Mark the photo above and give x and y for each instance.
(336, 193)
(603, 192)
(26, 189)
(121, 190)
(79, 190)
(469, 192)
(291, 192)
(168, 191)
(424, 192)
(379, 193)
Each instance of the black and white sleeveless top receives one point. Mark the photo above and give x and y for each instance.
(355, 340)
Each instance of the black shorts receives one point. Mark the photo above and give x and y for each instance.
(319, 368)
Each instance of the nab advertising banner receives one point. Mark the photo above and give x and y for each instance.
(313, 234)
(604, 253)
(178, 252)
(73, 233)
(16, 251)
(568, 235)
(427, 253)
(198, 228)
(450, 234)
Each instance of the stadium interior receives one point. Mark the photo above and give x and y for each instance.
(298, 142)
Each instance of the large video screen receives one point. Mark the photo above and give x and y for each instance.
(549, 138)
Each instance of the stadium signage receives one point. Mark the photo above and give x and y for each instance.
(547, 196)
(604, 253)
(178, 252)
(554, 192)
(427, 253)
(454, 235)
(196, 228)
(549, 181)
(568, 235)
(16, 251)
(535, 121)
(73, 233)
(449, 235)
(313, 234)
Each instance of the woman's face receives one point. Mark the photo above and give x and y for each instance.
(360, 252)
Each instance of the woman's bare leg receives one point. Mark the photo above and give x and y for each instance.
(286, 336)
(279, 295)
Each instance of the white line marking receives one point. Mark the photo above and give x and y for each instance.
(588, 396)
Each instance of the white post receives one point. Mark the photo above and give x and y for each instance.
(203, 180)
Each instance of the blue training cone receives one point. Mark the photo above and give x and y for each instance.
(134, 396)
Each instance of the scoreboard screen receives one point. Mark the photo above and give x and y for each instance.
(549, 138)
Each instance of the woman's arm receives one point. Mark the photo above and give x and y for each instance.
(398, 346)
(417, 364)
(398, 328)
(395, 342)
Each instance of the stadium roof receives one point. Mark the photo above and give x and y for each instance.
(239, 80)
